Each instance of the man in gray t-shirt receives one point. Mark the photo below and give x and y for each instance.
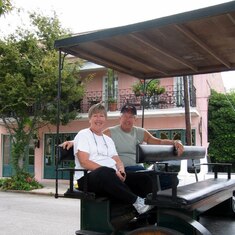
(126, 142)
(126, 136)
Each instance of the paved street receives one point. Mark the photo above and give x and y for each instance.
(219, 225)
(28, 214)
(38, 214)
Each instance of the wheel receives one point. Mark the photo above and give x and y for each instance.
(154, 231)
(233, 204)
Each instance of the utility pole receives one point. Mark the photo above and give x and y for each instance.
(187, 111)
(143, 105)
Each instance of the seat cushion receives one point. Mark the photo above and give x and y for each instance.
(192, 193)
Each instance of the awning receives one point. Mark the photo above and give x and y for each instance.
(195, 42)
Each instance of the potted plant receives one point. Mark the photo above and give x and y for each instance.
(152, 88)
(112, 102)
(94, 100)
(138, 88)
(160, 90)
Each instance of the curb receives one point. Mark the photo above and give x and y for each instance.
(34, 192)
(29, 192)
(48, 189)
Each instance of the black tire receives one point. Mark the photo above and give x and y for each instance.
(154, 231)
(233, 205)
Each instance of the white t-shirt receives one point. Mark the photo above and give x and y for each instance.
(101, 149)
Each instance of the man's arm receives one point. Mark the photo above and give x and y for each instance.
(107, 132)
(150, 139)
(69, 144)
(83, 158)
(120, 168)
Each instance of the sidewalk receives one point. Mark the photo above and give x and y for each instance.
(49, 188)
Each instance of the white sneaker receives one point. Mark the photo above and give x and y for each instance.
(140, 206)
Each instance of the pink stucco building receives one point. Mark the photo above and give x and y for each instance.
(164, 116)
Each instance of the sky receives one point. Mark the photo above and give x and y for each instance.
(87, 15)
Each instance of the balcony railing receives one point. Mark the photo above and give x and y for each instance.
(171, 98)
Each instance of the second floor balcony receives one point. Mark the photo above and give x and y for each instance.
(171, 98)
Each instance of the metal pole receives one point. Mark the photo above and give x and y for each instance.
(58, 121)
(187, 112)
(143, 99)
(143, 103)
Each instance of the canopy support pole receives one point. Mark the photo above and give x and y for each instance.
(187, 111)
(58, 120)
(143, 104)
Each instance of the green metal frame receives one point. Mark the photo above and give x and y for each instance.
(95, 216)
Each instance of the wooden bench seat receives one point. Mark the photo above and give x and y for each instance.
(188, 195)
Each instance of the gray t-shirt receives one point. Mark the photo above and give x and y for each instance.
(126, 142)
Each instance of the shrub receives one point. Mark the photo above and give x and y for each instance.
(21, 181)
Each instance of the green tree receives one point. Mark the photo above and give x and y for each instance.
(28, 83)
(221, 127)
(5, 6)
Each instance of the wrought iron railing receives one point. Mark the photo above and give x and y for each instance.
(171, 98)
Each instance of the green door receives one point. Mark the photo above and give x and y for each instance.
(7, 166)
(6, 146)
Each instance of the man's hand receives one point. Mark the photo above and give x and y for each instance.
(121, 175)
(179, 148)
(67, 145)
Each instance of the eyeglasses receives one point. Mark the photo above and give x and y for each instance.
(128, 107)
(105, 143)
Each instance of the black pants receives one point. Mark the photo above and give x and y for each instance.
(165, 180)
(104, 181)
